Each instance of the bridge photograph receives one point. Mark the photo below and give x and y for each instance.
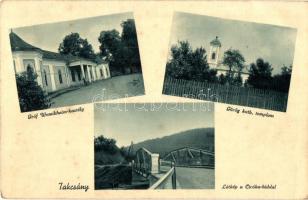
(154, 146)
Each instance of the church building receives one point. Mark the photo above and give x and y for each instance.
(215, 59)
(54, 70)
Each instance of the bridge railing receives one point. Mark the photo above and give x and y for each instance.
(168, 180)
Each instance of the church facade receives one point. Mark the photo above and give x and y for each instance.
(55, 71)
(215, 59)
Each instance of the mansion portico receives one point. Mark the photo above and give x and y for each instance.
(55, 71)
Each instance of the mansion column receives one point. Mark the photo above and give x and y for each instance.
(38, 71)
(89, 75)
(67, 75)
(19, 65)
(82, 72)
(52, 77)
(93, 72)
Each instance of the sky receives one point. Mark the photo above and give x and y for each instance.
(137, 124)
(49, 36)
(275, 44)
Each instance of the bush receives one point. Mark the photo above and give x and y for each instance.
(105, 144)
(30, 94)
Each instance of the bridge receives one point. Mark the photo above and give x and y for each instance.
(187, 168)
(191, 157)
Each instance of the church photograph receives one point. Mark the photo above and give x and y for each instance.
(229, 61)
(76, 62)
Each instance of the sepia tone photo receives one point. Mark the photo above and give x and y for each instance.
(228, 61)
(154, 146)
(76, 62)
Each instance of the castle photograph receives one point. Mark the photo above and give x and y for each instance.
(76, 62)
(230, 61)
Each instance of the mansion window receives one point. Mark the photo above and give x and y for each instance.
(73, 75)
(60, 76)
(45, 76)
(79, 75)
(29, 68)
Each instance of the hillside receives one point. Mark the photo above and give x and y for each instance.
(202, 138)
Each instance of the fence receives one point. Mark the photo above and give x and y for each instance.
(244, 96)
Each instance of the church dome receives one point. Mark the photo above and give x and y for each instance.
(215, 42)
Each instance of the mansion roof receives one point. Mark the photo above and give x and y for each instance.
(18, 44)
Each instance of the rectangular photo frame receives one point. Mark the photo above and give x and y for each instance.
(154, 146)
(76, 62)
(229, 61)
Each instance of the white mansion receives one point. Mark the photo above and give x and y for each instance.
(214, 60)
(55, 71)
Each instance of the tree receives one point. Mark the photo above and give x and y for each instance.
(130, 45)
(186, 63)
(121, 50)
(30, 94)
(281, 82)
(102, 143)
(73, 44)
(235, 62)
(222, 79)
(110, 44)
(260, 75)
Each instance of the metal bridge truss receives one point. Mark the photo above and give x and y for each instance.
(191, 157)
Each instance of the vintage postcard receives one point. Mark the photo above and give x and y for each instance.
(153, 99)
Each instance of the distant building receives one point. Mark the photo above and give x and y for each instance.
(55, 71)
(215, 58)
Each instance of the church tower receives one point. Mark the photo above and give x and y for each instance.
(213, 56)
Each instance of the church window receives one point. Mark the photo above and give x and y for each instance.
(60, 76)
(101, 71)
(213, 56)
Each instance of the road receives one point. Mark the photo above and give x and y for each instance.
(195, 178)
(113, 88)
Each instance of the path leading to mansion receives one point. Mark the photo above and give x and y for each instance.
(115, 87)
